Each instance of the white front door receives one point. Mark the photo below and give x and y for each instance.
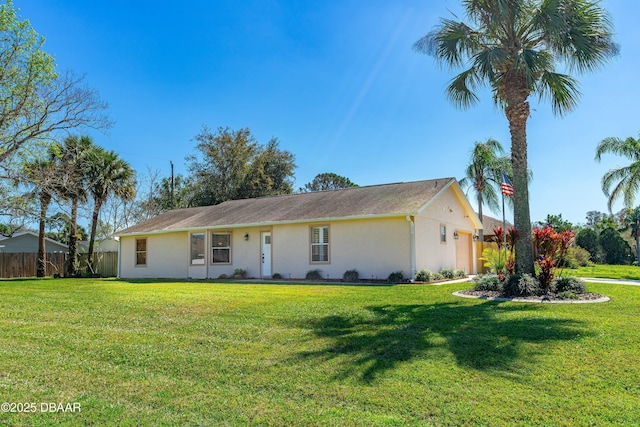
(266, 254)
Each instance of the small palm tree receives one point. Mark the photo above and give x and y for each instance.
(484, 174)
(106, 174)
(624, 180)
(515, 47)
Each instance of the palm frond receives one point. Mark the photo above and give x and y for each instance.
(579, 31)
(487, 61)
(625, 182)
(483, 174)
(494, 13)
(460, 90)
(517, 44)
(629, 148)
(494, 146)
(452, 43)
(560, 89)
(465, 184)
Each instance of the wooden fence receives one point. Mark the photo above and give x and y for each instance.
(480, 246)
(24, 264)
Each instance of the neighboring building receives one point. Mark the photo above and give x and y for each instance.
(489, 224)
(110, 244)
(376, 230)
(27, 242)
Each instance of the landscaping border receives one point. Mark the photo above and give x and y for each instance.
(543, 299)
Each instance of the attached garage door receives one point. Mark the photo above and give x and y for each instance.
(464, 252)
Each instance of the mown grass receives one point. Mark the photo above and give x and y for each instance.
(627, 272)
(137, 354)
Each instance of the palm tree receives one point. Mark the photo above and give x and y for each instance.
(107, 174)
(42, 174)
(514, 48)
(484, 174)
(631, 222)
(626, 178)
(74, 154)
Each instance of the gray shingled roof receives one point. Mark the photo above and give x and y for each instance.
(358, 202)
(489, 223)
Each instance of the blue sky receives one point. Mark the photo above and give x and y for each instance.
(337, 82)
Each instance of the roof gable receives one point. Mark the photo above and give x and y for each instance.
(32, 238)
(357, 202)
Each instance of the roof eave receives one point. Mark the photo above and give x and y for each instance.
(266, 224)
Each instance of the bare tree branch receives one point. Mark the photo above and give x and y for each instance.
(66, 104)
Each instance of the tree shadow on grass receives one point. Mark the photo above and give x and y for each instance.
(489, 336)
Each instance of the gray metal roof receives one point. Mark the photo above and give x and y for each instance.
(357, 202)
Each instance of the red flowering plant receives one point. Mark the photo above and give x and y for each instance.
(551, 247)
(506, 254)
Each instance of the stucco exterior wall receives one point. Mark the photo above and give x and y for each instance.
(245, 254)
(167, 257)
(374, 247)
(446, 210)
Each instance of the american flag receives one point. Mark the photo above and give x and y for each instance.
(507, 187)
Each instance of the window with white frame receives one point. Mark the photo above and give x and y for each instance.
(221, 248)
(443, 233)
(197, 249)
(320, 244)
(141, 252)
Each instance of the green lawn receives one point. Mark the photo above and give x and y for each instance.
(607, 271)
(136, 354)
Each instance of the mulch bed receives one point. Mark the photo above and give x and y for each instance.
(587, 297)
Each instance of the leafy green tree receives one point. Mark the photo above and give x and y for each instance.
(160, 198)
(615, 249)
(270, 173)
(327, 181)
(16, 207)
(61, 223)
(587, 239)
(484, 174)
(35, 100)
(107, 174)
(56, 224)
(231, 164)
(632, 224)
(514, 47)
(594, 218)
(625, 180)
(559, 225)
(26, 69)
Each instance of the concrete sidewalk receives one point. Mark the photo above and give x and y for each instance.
(612, 281)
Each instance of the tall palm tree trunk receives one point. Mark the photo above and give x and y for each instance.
(41, 268)
(73, 240)
(94, 226)
(481, 231)
(517, 113)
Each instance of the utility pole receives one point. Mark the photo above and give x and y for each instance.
(172, 183)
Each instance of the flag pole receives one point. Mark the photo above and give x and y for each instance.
(504, 226)
(504, 237)
(507, 189)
